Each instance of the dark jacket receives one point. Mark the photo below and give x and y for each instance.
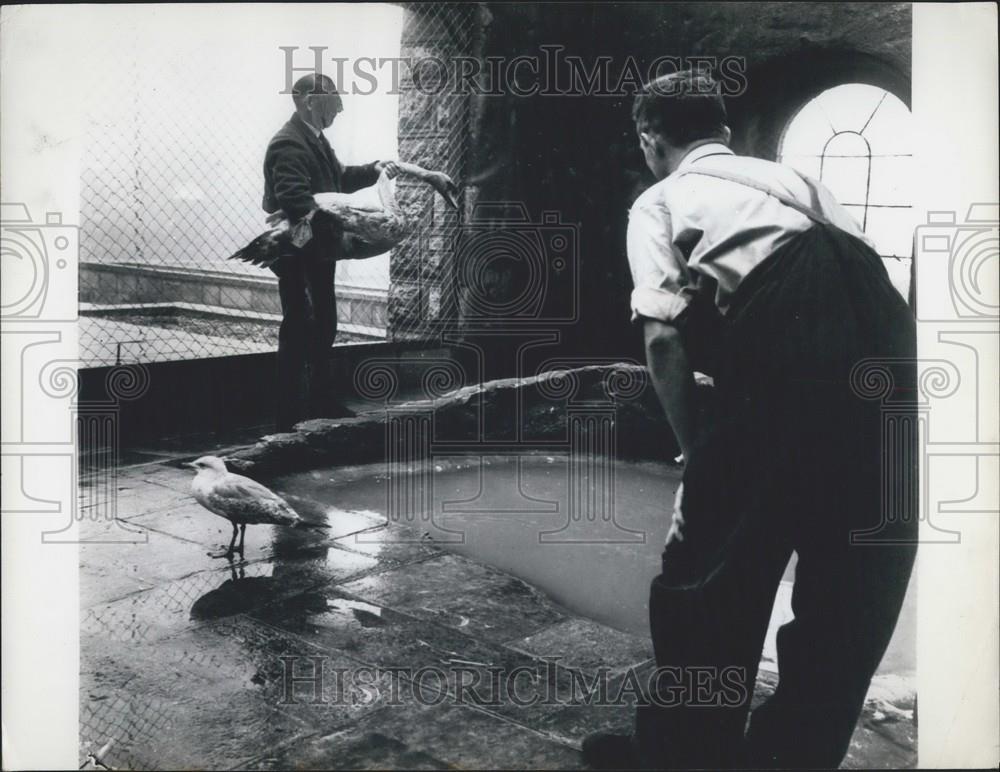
(296, 167)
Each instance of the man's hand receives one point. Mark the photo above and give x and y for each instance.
(275, 217)
(391, 168)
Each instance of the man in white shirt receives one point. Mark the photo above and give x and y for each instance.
(748, 271)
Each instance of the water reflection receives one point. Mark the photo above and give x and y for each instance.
(240, 594)
(300, 562)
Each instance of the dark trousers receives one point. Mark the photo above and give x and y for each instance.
(308, 329)
(802, 459)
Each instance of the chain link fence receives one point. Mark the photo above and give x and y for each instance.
(182, 107)
(434, 132)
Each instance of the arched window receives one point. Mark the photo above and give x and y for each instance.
(856, 139)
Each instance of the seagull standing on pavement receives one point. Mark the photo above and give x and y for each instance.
(240, 500)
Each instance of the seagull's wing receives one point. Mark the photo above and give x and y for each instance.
(247, 501)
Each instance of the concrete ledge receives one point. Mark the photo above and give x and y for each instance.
(129, 283)
(221, 313)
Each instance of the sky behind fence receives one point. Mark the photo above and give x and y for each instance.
(179, 106)
(181, 110)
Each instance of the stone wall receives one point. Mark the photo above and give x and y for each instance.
(607, 411)
(433, 133)
(578, 156)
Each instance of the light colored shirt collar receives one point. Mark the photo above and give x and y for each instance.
(711, 148)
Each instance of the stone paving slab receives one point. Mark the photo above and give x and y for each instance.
(113, 559)
(598, 706)
(136, 496)
(184, 658)
(163, 553)
(572, 723)
(160, 715)
(182, 731)
(390, 546)
(584, 645)
(415, 736)
(101, 582)
(189, 520)
(170, 474)
(207, 532)
(462, 594)
(167, 545)
(193, 523)
(324, 689)
(170, 606)
(429, 657)
(346, 750)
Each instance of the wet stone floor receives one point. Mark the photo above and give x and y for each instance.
(365, 646)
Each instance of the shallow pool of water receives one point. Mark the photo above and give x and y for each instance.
(589, 535)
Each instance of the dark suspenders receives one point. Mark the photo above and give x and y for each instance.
(739, 179)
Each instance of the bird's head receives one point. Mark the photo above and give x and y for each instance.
(212, 463)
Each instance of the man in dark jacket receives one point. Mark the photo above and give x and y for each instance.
(298, 164)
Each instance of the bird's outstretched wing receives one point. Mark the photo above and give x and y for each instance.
(245, 501)
(265, 249)
(367, 228)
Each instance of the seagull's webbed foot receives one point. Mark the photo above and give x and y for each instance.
(230, 551)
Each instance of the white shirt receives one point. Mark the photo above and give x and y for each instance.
(715, 227)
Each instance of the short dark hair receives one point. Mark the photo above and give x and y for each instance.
(313, 83)
(682, 107)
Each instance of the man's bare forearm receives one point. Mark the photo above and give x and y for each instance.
(673, 381)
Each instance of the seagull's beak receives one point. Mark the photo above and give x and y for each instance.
(190, 465)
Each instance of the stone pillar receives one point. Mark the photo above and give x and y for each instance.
(434, 133)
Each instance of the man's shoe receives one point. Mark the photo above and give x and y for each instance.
(603, 750)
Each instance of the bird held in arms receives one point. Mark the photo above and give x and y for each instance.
(240, 500)
(367, 229)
